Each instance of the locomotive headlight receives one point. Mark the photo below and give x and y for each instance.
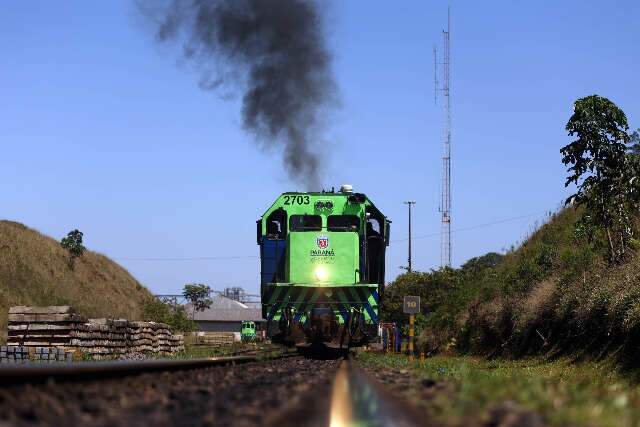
(321, 273)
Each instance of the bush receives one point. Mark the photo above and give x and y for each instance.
(444, 298)
(175, 316)
(73, 245)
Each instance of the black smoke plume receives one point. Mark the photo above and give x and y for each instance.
(275, 52)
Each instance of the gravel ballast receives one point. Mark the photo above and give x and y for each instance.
(254, 394)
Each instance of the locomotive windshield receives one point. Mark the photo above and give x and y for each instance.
(343, 223)
(305, 223)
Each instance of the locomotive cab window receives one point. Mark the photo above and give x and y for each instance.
(373, 227)
(277, 225)
(375, 241)
(343, 223)
(305, 223)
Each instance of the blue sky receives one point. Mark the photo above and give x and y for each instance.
(103, 130)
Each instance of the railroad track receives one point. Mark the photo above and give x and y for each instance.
(88, 371)
(354, 399)
(358, 399)
(279, 391)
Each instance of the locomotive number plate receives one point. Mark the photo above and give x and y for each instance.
(296, 200)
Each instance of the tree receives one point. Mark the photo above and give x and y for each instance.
(488, 260)
(198, 296)
(602, 170)
(634, 142)
(155, 310)
(73, 244)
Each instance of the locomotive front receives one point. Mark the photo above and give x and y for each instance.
(322, 267)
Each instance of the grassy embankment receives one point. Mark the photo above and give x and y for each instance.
(34, 270)
(557, 295)
(553, 295)
(551, 325)
(561, 392)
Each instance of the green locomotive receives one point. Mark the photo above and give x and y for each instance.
(248, 331)
(322, 267)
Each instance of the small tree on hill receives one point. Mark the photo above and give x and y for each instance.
(73, 245)
(198, 296)
(603, 171)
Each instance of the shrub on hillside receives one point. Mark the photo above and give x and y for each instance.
(444, 294)
(574, 262)
(73, 245)
(478, 264)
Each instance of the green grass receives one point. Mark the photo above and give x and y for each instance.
(198, 352)
(564, 393)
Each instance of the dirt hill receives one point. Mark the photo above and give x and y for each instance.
(34, 270)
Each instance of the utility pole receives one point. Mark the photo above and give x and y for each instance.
(409, 203)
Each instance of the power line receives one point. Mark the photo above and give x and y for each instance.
(474, 227)
(201, 258)
(238, 257)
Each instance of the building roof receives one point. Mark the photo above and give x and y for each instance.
(225, 309)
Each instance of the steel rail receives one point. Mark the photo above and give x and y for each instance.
(88, 371)
(358, 399)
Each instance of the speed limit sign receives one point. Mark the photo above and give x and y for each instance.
(411, 305)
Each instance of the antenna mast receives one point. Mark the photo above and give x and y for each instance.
(445, 203)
